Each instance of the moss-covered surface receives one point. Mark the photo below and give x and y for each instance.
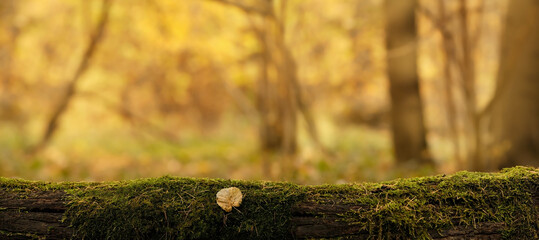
(172, 208)
(181, 208)
(409, 208)
(185, 208)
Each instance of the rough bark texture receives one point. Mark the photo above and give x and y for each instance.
(409, 136)
(462, 206)
(38, 213)
(515, 108)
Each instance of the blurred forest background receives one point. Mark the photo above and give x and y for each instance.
(312, 91)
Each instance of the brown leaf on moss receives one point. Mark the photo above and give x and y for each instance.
(228, 198)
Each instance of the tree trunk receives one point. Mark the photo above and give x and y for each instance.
(8, 36)
(462, 206)
(515, 108)
(10, 103)
(408, 126)
(54, 120)
(475, 157)
(449, 59)
(275, 100)
(279, 93)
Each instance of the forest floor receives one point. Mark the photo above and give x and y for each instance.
(358, 154)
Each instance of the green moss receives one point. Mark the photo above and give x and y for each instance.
(20, 235)
(180, 208)
(185, 208)
(409, 208)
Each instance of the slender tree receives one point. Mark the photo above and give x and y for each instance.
(276, 101)
(449, 60)
(95, 38)
(467, 71)
(409, 134)
(279, 93)
(515, 105)
(10, 88)
(7, 43)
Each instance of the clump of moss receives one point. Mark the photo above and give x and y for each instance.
(412, 208)
(181, 208)
(185, 208)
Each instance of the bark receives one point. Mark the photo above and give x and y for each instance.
(31, 210)
(409, 134)
(42, 215)
(515, 111)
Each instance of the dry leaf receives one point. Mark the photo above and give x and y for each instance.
(228, 198)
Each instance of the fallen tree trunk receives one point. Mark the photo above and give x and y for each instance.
(461, 206)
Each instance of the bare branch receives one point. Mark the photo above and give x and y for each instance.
(71, 88)
(261, 7)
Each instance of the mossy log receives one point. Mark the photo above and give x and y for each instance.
(465, 205)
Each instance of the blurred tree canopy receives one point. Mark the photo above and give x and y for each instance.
(251, 89)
